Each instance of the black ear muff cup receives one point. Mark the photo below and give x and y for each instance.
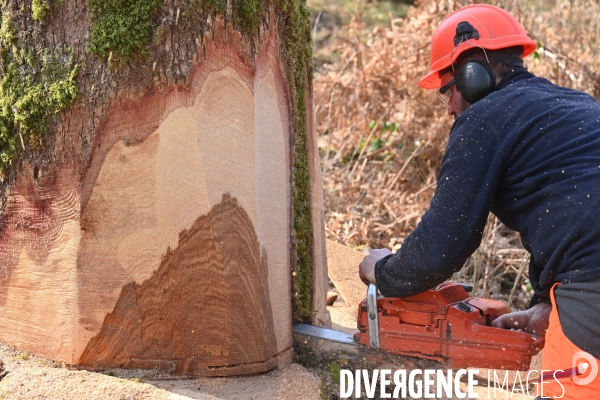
(475, 80)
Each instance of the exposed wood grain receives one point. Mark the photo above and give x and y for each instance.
(163, 238)
(153, 190)
(206, 305)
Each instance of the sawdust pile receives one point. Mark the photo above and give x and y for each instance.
(30, 377)
(382, 138)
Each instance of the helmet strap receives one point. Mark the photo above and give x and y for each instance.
(506, 58)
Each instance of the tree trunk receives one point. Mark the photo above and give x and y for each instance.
(156, 223)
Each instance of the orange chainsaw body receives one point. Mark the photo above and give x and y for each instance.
(447, 325)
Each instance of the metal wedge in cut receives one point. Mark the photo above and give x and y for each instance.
(372, 313)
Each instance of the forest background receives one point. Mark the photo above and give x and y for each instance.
(382, 138)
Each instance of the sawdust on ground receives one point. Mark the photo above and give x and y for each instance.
(31, 377)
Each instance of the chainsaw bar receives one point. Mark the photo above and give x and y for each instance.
(324, 333)
(347, 338)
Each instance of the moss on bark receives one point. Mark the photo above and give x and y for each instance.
(298, 54)
(35, 84)
(121, 28)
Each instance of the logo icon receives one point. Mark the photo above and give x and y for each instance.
(582, 367)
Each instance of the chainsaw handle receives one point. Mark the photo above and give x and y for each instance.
(372, 315)
(468, 288)
(539, 342)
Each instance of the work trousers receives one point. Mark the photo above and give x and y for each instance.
(561, 359)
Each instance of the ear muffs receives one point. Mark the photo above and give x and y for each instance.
(475, 80)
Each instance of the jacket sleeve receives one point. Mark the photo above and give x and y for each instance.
(451, 229)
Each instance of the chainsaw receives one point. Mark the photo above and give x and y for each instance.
(444, 324)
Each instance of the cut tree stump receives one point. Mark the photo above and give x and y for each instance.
(155, 225)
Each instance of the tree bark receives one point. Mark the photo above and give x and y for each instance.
(155, 225)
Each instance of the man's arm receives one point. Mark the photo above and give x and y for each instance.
(451, 230)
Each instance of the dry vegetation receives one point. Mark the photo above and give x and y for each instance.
(382, 138)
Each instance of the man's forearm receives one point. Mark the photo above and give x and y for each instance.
(397, 280)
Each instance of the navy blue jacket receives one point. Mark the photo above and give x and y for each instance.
(530, 153)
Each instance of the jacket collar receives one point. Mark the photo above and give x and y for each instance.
(518, 74)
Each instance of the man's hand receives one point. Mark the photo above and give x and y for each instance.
(366, 269)
(534, 321)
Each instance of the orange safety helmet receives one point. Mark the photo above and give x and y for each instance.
(495, 29)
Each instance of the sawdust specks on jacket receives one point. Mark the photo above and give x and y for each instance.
(530, 153)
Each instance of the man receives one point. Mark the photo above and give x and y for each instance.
(529, 151)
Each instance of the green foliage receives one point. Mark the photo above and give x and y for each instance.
(120, 28)
(33, 87)
(536, 54)
(385, 138)
(373, 13)
(376, 144)
(393, 127)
